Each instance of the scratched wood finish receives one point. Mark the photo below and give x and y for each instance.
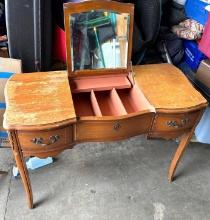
(37, 99)
(167, 88)
(183, 121)
(113, 129)
(59, 84)
(65, 139)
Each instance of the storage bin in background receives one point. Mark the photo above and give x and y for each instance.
(195, 9)
(202, 130)
(193, 56)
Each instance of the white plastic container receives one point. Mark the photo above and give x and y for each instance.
(181, 2)
(202, 131)
(33, 163)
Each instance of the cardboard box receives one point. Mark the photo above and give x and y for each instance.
(7, 68)
(4, 52)
(10, 65)
(203, 73)
(4, 76)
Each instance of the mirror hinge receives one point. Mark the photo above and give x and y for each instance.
(131, 75)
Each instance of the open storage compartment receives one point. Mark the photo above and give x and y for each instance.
(110, 102)
(82, 104)
(133, 100)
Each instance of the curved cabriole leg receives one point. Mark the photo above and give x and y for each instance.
(181, 148)
(179, 152)
(25, 177)
(20, 162)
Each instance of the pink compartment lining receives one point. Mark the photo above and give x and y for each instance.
(110, 103)
(86, 84)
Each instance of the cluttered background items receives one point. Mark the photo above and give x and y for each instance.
(175, 26)
(3, 37)
(8, 67)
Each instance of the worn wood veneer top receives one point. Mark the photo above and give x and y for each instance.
(166, 87)
(38, 99)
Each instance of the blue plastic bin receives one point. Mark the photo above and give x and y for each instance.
(193, 56)
(195, 9)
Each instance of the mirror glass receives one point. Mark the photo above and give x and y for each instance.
(99, 39)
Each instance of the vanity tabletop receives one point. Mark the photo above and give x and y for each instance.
(38, 99)
(44, 98)
(167, 88)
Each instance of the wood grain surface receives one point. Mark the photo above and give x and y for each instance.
(38, 99)
(166, 87)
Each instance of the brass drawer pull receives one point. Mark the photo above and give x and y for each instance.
(117, 126)
(175, 124)
(39, 141)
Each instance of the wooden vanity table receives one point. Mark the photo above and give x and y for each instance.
(101, 97)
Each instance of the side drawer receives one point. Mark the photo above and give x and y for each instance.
(45, 140)
(102, 130)
(174, 122)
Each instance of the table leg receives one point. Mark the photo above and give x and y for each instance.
(24, 176)
(181, 148)
(20, 162)
(179, 152)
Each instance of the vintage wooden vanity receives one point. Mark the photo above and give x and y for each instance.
(101, 97)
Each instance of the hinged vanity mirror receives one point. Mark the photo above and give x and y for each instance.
(98, 37)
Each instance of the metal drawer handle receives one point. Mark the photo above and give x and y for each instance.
(117, 126)
(39, 141)
(175, 124)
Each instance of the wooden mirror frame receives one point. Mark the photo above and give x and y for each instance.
(118, 7)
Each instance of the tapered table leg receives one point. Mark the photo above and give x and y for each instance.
(181, 148)
(179, 152)
(24, 176)
(20, 162)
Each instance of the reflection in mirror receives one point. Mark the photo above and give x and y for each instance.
(99, 39)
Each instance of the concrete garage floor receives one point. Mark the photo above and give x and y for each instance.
(114, 181)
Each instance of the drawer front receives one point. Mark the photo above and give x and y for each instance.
(174, 122)
(113, 130)
(45, 140)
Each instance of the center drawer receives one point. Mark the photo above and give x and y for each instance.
(45, 140)
(106, 130)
